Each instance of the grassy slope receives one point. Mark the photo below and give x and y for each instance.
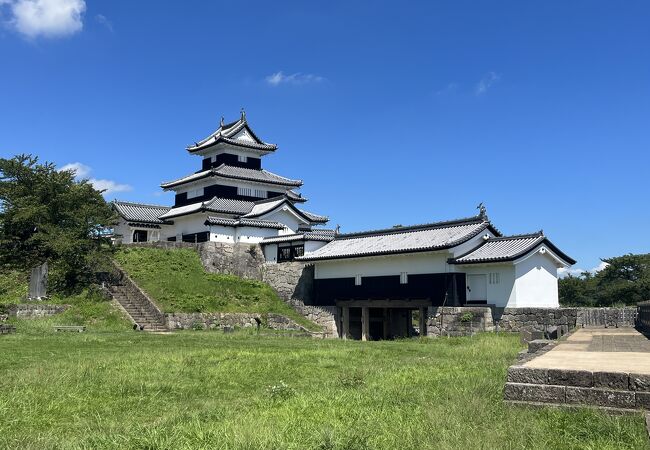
(86, 308)
(178, 283)
(209, 390)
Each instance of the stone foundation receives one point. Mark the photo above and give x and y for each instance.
(616, 390)
(458, 321)
(222, 321)
(34, 310)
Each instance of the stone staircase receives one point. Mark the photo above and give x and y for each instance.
(140, 308)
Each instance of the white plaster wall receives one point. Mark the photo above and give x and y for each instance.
(191, 223)
(412, 263)
(271, 252)
(253, 235)
(285, 217)
(311, 246)
(220, 233)
(502, 294)
(536, 282)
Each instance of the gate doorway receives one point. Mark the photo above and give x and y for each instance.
(382, 319)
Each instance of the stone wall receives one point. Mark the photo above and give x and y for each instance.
(34, 310)
(643, 320)
(450, 321)
(517, 319)
(221, 321)
(458, 321)
(291, 280)
(243, 260)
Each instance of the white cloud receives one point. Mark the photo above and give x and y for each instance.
(109, 186)
(486, 82)
(103, 20)
(82, 171)
(47, 18)
(449, 89)
(279, 78)
(576, 272)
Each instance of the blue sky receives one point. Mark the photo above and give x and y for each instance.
(391, 113)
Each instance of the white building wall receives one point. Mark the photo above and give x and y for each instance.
(501, 294)
(285, 217)
(220, 233)
(253, 235)
(536, 282)
(192, 223)
(270, 252)
(411, 263)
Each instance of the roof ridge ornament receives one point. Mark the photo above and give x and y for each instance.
(482, 211)
(222, 122)
(243, 115)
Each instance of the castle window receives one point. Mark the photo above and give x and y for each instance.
(261, 193)
(357, 280)
(245, 191)
(242, 158)
(403, 278)
(195, 193)
(495, 278)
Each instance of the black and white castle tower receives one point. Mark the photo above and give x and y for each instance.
(232, 199)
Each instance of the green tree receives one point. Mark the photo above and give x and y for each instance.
(45, 215)
(625, 280)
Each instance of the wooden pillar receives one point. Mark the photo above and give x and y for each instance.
(423, 321)
(346, 322)
(365, 323)
(386, 323)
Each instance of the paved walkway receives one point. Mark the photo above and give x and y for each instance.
(604, 350)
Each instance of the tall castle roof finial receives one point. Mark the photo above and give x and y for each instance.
(243, 114)
(221, 123)
(482, 212)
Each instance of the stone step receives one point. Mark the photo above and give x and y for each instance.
(579, 378)
(571, 395)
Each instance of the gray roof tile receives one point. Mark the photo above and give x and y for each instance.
(140, 212)
(507, 248)
(418, 238)
(238, 173)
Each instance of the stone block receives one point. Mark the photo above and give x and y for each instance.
(643, 400)
(552, 333)
(611, 380)
(600, 397)
(534, 393)
(581, 378)
(537, 345)
(639, 382)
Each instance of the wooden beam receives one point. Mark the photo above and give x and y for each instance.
(423, 321)
(346, 322)
(365, 323)
(412, 304)
(386, 323)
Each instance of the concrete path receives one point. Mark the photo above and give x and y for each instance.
(606, 350)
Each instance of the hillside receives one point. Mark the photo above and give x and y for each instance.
(177, 282)
(88, 307)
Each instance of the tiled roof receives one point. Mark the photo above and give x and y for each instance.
(239, 173)
(436, 236)
(264, 207)
(139, 212)
(243, 223)
(248, 210)
(226, 133)
(314, 235)
(508, 248)
(314, 217)
(296, 196)
(216, 204)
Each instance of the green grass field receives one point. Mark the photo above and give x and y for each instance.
(177, 281)
(241, 391)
